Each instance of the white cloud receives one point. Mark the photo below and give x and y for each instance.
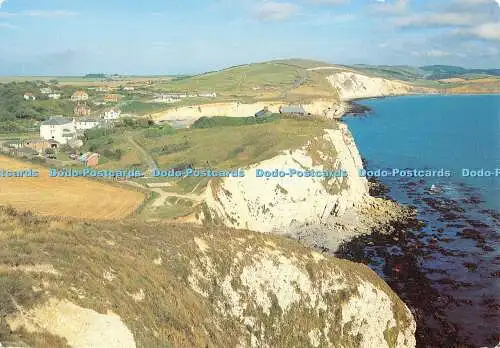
(2, 2)
(38, 13)
(276, 11)
(394, 7)
(439, 19)
(487, 31)
(330, 2)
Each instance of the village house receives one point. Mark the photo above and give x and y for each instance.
(295, 110)
(59, 129)
(208, 95)
(45, 90)
(81, 110)
(40, 145)
(85, 123)
(165, 98)
(80, 96)
(54, 96)
(91, 159)
(29, 96)
(128, 88)
(111, 114)
(103, 89)
(112, 98)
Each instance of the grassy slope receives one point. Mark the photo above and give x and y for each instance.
(171, 314)
(259, 81)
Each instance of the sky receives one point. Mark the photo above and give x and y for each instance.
(61, 37)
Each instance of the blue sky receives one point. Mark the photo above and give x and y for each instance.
(60, 37)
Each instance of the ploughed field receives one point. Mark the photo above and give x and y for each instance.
(65, 197)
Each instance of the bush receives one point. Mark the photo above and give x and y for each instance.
(224, 121)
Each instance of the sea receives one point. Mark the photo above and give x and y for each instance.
(448, 269)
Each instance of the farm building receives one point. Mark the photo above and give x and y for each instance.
(263, 113)
(80, 96)
(296, 110)
(59, 129)
(112, 98)
(29, 96)
(45, 90)
(91, 159)
(54, 96)
(128, 88)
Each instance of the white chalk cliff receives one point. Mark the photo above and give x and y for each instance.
(350, 85)
(270, 204)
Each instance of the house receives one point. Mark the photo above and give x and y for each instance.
(45, 90)
(165, 98)
(111, 114)
(40, 145)
(263, 113)
(208, 95)
(80, 96)
(296, 110)
(29, 96)
(112, 98)
(54, 96)
(103, 89)
(59, 129)
(91, 159)
(128, 89)
(81, 110)
(85, 123)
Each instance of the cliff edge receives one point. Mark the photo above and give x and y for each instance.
(136, 284)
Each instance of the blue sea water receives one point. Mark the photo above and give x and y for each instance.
(459, 245)
(451, 132)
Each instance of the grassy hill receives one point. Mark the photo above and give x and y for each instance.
(274, 80)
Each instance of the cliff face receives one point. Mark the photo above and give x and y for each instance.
(136, 284)
(351, 85)
(271, 204)
(190, 114)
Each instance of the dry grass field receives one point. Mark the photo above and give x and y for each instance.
(67, 197)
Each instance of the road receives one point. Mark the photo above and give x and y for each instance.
(147, 157)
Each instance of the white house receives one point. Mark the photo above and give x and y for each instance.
(54, 96)
(59, 129)
(45, 90)
(111, 114)
(208, 95)
(29, 96)
(85, 123)
(128, 88)
(165, 98)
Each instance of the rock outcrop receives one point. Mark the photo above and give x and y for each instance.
(80, 327)
(350, 85)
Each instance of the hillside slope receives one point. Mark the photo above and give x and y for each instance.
(148, 285)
